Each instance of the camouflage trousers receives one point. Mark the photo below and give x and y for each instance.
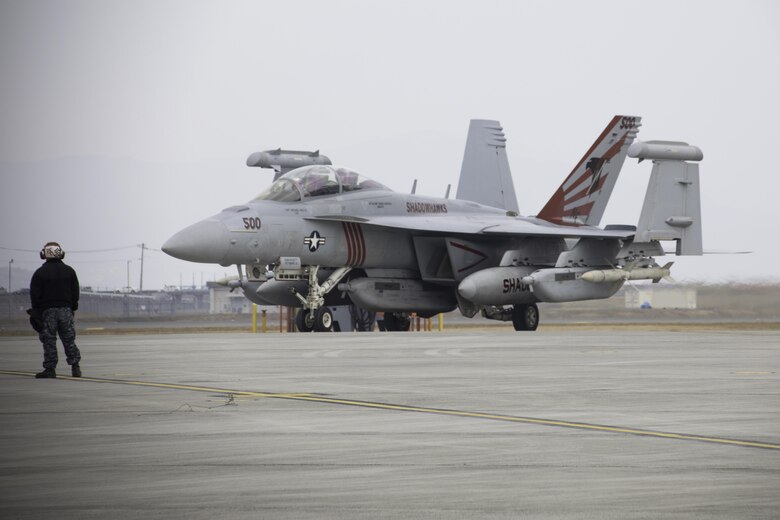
(58, 320)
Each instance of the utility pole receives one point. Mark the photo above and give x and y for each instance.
(128, 275)
(9, 288)
(141, 283)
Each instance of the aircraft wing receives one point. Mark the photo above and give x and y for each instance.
(531, 229)
(479, 225)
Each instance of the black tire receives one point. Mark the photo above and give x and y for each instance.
(364, 320)
(397, 322)
(323, 320)
(303, 321)
(525, 317)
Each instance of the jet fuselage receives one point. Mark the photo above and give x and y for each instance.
(261, 231)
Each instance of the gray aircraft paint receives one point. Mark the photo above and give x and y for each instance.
(409, 253)
(486, 152)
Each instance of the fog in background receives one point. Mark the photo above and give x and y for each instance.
(123, 122)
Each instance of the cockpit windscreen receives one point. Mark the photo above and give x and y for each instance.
(317, 181)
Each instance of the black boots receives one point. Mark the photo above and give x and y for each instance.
(47, 373)
(75, 371)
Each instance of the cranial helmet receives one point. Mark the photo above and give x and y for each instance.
(52, 250)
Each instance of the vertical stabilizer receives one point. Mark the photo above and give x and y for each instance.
(672, 207)
(583, 196)
(484, 176)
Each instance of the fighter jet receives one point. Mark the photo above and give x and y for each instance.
(327, 233)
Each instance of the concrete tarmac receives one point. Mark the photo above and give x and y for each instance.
(572, 424)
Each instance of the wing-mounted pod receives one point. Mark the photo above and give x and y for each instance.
(282, 161)
(672, 208)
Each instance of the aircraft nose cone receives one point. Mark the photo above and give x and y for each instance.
(206, 242)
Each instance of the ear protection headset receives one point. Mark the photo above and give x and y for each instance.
(52, 250)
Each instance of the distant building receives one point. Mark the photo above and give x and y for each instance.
(663, 297)
(222, 301)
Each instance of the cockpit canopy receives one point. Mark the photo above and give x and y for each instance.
(317, 181)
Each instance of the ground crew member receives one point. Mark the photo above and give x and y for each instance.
(54, 294)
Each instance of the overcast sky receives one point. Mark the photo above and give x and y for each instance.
(123, 122)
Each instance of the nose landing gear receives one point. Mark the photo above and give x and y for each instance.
(320, 320)
(314, 315)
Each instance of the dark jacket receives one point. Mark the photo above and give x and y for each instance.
(54, 284)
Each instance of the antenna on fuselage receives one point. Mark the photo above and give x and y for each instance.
(282, 161)
(414, 187)
(447, 193)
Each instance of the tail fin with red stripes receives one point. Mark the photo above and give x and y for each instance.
(583, 196)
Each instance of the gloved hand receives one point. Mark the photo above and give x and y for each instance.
(35, 320)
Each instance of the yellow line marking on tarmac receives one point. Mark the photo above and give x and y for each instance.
(419, 409)
(172, 386)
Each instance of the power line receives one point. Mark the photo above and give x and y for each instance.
(19, 250)
(78, 251)
(102, 250)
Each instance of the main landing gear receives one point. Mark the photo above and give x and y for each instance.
(397, 321)
(522, 316)
(525, 317)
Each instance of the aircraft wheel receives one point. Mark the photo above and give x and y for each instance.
(304, 321)
(397, 322)
(323, 321)
(525, 317)
(404, 323)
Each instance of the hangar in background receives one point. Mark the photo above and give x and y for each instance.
(660, 297)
